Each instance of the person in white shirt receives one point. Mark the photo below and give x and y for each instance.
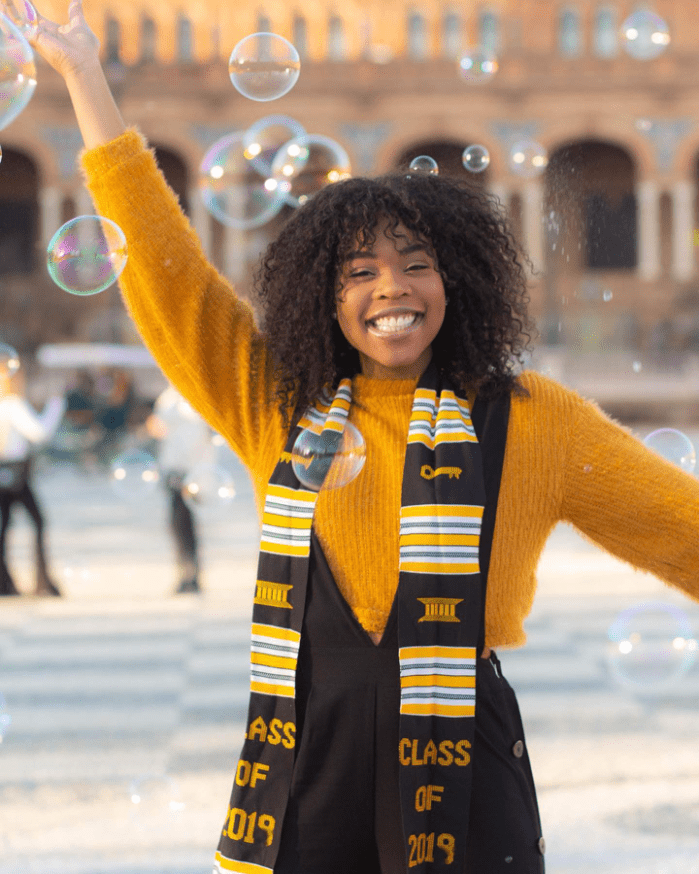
(185, 440)
(22, 429)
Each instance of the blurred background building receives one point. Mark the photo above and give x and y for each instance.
(610, 226)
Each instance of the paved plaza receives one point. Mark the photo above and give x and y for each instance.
(128, 703)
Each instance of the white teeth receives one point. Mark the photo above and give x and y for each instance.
(391, 324)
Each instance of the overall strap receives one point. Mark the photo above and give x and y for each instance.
(490, 420)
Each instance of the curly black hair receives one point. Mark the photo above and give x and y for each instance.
(483, 334)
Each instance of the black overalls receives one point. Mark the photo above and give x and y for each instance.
(344, 810)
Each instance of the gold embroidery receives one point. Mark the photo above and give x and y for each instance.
(427, 795)
(440, 609)
(272, 594)
(287, 456)
(426, 472)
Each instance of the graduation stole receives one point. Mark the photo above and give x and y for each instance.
(440, 614)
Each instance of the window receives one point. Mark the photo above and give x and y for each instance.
(113, 40)
(569, 33)
(451, 35)
(418, 46)
(336, 39)
(489, 32)
(606, 33)
(147, 39)
(185, 44)
(610, 233)
(300, 36)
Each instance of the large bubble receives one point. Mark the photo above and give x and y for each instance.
(305, 165)
(651, 647)
(86, 254)
(645, 35)
(17, 71)
(673, 446)
(233, 190)
(424, 164)
(209, 489)
(327, 459)
(264, 66)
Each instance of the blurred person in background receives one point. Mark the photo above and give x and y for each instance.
(185, 439)
(22, 431)
(114, 403)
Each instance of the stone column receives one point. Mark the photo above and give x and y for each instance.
(234, 260)
(50, 201)
(532, 227)
(501, 191)
(648, 218)
(200, 219)
(683, 230)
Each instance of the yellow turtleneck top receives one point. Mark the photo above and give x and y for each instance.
(564, 461)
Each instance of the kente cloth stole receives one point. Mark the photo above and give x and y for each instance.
(440, 613)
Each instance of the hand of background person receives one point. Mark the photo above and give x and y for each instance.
(69, 48)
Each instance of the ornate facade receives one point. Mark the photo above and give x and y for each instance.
(610, 226)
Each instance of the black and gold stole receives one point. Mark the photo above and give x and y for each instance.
(440, 614)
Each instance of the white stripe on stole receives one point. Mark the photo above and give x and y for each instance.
(448, 423)
(438, 681)
(224, 865)
(274, 655)
(440, 538)
(287, 520)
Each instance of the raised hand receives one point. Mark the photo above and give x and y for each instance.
(70, 48)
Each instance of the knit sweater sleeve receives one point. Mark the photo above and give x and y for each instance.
(202, 336)
(630, 501)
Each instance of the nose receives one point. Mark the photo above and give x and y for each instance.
(392, 283)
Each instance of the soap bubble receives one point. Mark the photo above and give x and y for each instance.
(674, 446)
(478, 66)
(528, 158)
(306, 164)
(475, 158)
(328, 459)
(156, 802)
(209, 489)
(5, 720)
(262, 140)
(424, 164)
(86, 254)
(9, 360)
(17, 71)
(651, 647)
(637, 366)
(232, 190)
(264, 66)
(645, 35)
(133, 475)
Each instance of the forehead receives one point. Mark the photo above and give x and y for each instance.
(386, 232)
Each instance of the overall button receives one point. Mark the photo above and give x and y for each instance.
(518, 749)
(542, 846)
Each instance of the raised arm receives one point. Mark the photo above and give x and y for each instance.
(202, 336)
(631, 501)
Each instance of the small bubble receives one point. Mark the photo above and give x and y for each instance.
(607, 295)
(637, 367)
(424, 164)
(587, 468)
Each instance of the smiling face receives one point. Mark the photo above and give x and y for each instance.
(391, 304)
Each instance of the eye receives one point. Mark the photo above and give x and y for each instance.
(360, 272)
(418, 267)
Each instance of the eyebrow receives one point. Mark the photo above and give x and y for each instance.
(368, 253)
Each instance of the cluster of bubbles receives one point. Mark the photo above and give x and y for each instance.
(325, 459)
(526, 158)
(651, 648)
(246, 178)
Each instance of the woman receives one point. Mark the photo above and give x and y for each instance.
(381, 735)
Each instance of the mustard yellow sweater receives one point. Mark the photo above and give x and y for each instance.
(564, 460)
